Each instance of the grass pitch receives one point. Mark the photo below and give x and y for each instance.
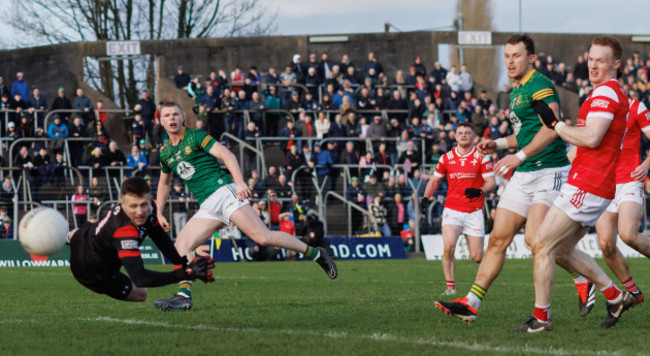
(292, 308)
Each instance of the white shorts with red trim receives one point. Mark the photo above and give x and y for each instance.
(473, 223)
(527, 188)
(582, 207)
(221, 204)
(630, 191)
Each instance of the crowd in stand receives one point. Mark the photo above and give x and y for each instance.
(374, 122)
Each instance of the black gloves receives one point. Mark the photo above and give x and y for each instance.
(472, 193)
(200, 269)
(544, 111)
(424, 203)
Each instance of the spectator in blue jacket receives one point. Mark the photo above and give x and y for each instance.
(324, 162)
(57, 129)
(20, 87)
(137, 160)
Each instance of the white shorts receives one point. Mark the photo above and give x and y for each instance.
(473, 223)
(581, 206)
(221, 204)
(630, 191)
(528, 188)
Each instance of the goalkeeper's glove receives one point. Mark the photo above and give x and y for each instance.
(472, 193)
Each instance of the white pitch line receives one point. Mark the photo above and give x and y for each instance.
(374, 337)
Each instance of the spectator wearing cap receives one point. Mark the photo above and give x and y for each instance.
(11, 133)
(373, 188)
(61, 102)
(181, 79)
(411, 78)
(298, 68)
(294, 105)
(21, 87)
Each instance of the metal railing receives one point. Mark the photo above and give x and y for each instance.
(350, 205)
(259, 155)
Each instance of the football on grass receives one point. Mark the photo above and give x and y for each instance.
(43, 231)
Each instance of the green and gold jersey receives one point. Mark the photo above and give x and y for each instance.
(526, 123)
(192, 161)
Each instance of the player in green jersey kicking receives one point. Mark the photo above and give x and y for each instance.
(541, 167)
(223, 198)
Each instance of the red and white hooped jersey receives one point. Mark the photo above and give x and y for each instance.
(594, 169)
(638, 120)
(462, 172)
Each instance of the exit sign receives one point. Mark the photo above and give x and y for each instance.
(481, 38)
(122, 48)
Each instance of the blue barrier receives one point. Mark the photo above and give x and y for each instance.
(344, 248)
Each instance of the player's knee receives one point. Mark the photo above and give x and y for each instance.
(477, 256)
(498, 244)
(264, 238)
(449, 251)
(628, 236)
(608, 247)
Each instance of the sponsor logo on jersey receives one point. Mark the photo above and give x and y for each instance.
(129, 244)
(178, 156)
(600, 103)
(188, 150)
(185, 170)
(462, 175)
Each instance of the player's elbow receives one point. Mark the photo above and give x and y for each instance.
(592, 142)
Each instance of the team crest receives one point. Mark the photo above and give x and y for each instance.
(188, 150)
(185, 170)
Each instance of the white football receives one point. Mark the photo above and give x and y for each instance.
(43, 231)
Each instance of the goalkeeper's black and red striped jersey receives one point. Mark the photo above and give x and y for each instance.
(114, 237)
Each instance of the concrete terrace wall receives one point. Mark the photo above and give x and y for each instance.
(50, 67)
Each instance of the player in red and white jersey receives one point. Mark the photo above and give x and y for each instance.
(624, 212)
(469, 176)
(589, 189)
